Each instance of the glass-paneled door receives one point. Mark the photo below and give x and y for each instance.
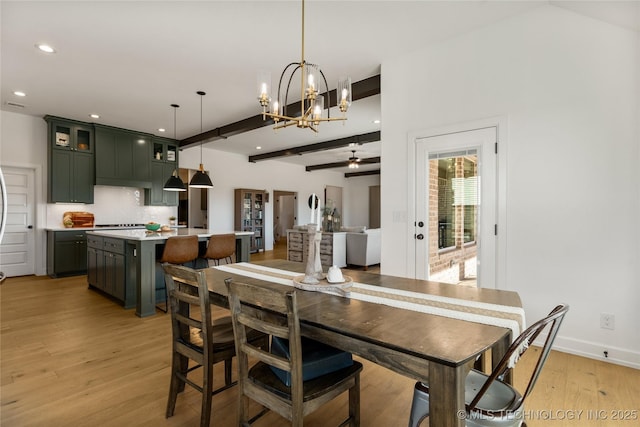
(456, 207)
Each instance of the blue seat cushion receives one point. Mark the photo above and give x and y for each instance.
(317, 359)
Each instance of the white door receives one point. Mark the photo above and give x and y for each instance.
(456, 195)
(18, 244)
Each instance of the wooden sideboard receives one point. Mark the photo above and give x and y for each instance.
(333, 247)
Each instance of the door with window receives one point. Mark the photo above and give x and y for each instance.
(456, 207)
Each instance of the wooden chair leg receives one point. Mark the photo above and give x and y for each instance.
(228, 368)
(207, 396)
(174, 387)
(354, 402)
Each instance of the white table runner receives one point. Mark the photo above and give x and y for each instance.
(473, 311)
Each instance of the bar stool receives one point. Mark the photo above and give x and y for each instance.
(178, 250)
(221, 247)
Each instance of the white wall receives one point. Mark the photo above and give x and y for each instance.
(230, 171)
(568, 86)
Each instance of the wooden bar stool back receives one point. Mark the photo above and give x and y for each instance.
(178, 250)
(221, 247)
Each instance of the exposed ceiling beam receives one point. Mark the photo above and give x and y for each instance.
(367, 161)
(360, 89)
(363, 173)
(319, 146)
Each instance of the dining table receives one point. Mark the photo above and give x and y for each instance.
(407, 325)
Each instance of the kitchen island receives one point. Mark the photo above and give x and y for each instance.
(128, 262)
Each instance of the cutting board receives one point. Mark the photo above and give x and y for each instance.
(77, 219)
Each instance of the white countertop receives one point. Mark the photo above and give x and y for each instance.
(140, 227)
(142, 234)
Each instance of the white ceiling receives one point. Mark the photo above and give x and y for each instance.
(129, 60)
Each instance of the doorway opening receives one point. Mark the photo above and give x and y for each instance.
(284, 215)
(192, 204)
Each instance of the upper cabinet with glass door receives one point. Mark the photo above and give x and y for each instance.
(71, 174)
(69, 135)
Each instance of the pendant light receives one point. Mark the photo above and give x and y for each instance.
(174, 183)
(201, 179)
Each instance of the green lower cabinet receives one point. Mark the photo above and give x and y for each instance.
(114, 275)
(66, 253)
(107, 266)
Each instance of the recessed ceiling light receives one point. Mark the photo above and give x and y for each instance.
(94, 116)
(45, 48)
(258, 148)
(162, 130)
(19, 93)
(377, 121)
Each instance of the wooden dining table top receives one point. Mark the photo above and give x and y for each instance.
(419, 336)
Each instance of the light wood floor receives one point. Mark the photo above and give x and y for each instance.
(70, 357)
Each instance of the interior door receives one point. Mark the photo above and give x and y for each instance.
(18, 244)
(456, 209)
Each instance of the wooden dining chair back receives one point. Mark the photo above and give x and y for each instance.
(196, 337)
(221, 247)
(488, 400)
(275, 312)
(177, 250)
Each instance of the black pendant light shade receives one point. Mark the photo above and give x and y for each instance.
(174, 183)
(201, 179)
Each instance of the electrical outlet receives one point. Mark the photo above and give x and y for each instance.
(607, 321)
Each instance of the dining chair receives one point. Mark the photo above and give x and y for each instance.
(221, 247)
(275, 312)
(177, 250)
(489, 401)
(196, 337)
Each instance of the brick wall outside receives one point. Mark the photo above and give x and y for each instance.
(448, 265)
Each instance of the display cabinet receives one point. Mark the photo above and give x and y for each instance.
(249, 215)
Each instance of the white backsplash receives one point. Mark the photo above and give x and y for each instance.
(114, 205)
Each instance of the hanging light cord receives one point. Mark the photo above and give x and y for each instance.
(201, 93)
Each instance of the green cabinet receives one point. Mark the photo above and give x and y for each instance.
(66, 253)
(163, 162)
(71, 161)
(106, 266)
(123, 157)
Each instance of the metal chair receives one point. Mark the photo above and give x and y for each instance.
(177, 250)
(195, 336)
(275, 312)
(488, 400)
(221, 246)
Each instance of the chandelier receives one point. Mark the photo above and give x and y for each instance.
(354, 161)
(311, 102)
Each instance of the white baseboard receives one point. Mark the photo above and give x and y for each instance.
(593, 350)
